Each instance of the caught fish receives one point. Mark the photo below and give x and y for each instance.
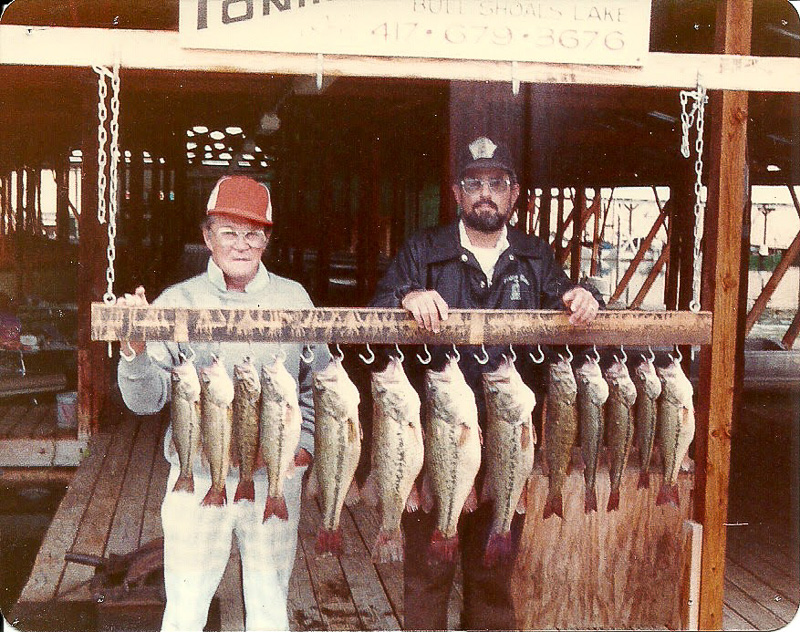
(216, 397)
(560, 431)
(397, 456)
(510, 440)
(246, 412)
(338, 447)
(648, 389)
(675, 427)
(592, 395)
(185, 417)
(452, 454)
(279, 425)
(619, 425)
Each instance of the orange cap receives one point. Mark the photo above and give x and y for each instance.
(241, 197)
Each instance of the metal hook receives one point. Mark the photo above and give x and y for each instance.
(652, 355)
(310, 358)
(569, 354)
(514, 79)
(426, 360)
(513, 353)
(280, 355)
(368, 359)
(400, 355)
(485, 357)
(340, 352)
(319, 71)
(456, 355)
(596, 354)
(680, 355)
(541, 355)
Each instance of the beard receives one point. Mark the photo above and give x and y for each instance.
(485, 216)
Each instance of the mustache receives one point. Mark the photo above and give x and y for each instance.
(487, 202)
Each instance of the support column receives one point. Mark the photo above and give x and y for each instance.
(727, 195)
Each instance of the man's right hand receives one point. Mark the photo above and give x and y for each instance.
(137, 299)
(427, 307)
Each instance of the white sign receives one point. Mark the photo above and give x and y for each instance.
(563, 31)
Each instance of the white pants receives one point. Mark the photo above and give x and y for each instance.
(197, 545)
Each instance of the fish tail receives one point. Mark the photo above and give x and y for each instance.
(590, 500)
(613, 500)
(185, 483)
(443, 549)
(276, 506)
(555, 506)
(414, 501)
(644, 479)
(329, 541)
(389, 547)
(668, 494)
(498, 548)
(215, 497)
(245, 490)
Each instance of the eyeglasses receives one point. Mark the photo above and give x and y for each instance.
(472, 186)
(253, 238)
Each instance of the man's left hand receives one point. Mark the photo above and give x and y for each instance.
(582, 304)
(303, 458)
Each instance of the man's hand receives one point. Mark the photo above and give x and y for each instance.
(303, 458)
(582, 304)
(427, 307)
(137, 299)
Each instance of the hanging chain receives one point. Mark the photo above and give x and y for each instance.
(697, 112)
(107, 205)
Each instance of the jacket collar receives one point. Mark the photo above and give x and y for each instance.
(448, 243)
(217, 278)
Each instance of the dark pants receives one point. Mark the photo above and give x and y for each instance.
(487, 595)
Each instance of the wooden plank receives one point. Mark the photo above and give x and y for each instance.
(330, 585)
(732, 621)
(32, 384)
(44, 452)
(602, 570)
(637, 259)
(690, 575)
(96, 522)
(749, 609)
(302, 604)
(760, 591)
(127, 524)
(374, 325)
(49, 564)
(151, 519)
(82, 47)
(777, 574)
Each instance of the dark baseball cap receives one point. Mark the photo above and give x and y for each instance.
(484, 153)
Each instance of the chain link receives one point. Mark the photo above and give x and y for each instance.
(102, 139)
(699, 99)
(111, 251)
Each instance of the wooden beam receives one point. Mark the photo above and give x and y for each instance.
(579, 212)
(791, 334)
(648, 282)
(161, 50)
(377, 325)
(788, 258)
(727, 196)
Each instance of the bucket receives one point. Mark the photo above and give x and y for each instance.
(65, 410)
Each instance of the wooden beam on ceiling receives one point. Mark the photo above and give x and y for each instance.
(161, 50)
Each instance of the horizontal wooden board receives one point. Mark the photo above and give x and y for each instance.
(161, 50)
(389, 326)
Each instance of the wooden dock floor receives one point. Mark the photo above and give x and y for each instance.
(113, 504)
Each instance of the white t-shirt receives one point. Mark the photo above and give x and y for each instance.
(487, 257)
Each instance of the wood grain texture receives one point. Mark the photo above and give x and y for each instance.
(612, 570)
(389, 326)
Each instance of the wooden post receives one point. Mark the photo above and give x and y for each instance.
(62, 201)
(578, 213)
(545, 205)
(721, 260)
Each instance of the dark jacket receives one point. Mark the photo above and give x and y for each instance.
(526, 276)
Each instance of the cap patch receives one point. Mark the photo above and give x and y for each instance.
(482, 148)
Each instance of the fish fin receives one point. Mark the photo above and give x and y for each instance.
(389, 547)
(184, 484)
(312, 486)
(427, 495)
(522, 503)
(499, 548)
(462, 439)
(369, 492)
(276, 507)
(245, 490)
(291, 470)
(414, 501)
(353, 495)
(590, 501)
(329, 542)
(354, 430)
(554, 506)
(471, 503)
(215, 497)
(525, 437)
(443, 549)
(613, 500)
(668, 494)
(644, 479)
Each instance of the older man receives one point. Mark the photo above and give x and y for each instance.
(475, 262)
(197, 538)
